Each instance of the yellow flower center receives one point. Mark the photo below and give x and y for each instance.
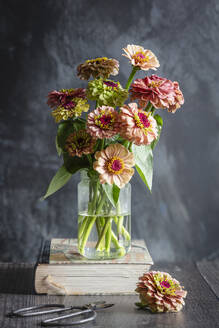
(166, 285)
(140, 57)
(105, 121)
(100, 59)
(154, 84)
(142, 121)
(115, 165)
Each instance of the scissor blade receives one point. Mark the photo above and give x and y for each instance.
(98, 305)
(104, 306)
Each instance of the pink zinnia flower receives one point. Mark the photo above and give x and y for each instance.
(65, 97)
(137, 125)
(159, 292)
(140, 57)
(114, 164)
(102, 122)
(161, 92)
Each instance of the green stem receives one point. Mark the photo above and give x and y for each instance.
(125, 233)
(102, 144)
(153, 111)
(117, 245)
(99, 227)
(94, 201)
(91, 220)
(120, 225)
(90, 160)
(149, 107)
(126, 143)
(82, 227)
(103, 233)
(108, 237)
(131, 76)
(99, 207)
(130, 147)
(87, 230)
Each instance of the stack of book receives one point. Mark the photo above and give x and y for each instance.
(61, 270)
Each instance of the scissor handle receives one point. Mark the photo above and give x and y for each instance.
(24, 312)
(54, 321)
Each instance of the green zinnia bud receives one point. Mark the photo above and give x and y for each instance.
(107, 92)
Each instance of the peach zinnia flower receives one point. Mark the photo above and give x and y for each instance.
(161, 92)
(114, 164)
(140, 57)
(102, 122)
(80, 143)
(159, 292)
(137, 125)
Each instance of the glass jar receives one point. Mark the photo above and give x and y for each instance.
(104, 229)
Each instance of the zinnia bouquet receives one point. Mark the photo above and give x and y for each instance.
(111, 139)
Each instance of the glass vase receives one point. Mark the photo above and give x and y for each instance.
(104, 230)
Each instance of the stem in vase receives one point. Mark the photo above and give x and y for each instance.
(103, 233)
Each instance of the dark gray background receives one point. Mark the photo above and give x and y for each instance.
(42, 44)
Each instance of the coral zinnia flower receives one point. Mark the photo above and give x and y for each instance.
(98, 67)
(161, 92)
(114, 164)
(140, 57)
(159, 292)
(106, 92)
(137, 125)
(67, 103)
(102, 122)
(80, 143)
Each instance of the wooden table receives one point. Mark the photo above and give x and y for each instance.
(201, 280)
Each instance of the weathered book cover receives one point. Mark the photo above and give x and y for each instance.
(64, 251)
(61, 270)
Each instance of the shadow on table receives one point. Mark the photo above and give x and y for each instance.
(17, 279)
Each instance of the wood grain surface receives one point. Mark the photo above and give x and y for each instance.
(201, 309)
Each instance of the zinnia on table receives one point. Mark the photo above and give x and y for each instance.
(159, 292)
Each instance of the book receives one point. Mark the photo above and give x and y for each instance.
(61, 270)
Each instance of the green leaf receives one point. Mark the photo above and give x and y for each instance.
(112, 192)
(116, 192)
(64, 129)
(74, 164)
(58, 181)
(144, 163)
(67, 127)
(159, 120)
(58, 149)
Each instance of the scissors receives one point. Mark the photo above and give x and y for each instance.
(87, 311)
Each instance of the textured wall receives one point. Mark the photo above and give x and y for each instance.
(42, 44)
